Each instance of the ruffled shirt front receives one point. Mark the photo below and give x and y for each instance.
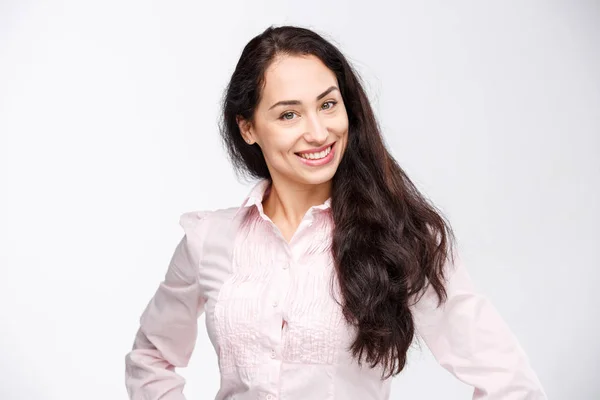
(277, 329)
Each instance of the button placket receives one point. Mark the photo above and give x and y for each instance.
(276, 301)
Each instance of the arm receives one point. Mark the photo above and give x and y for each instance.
(469, 338)
(169, 324)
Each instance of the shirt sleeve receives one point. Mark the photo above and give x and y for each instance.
(469, 338)
(169, 324)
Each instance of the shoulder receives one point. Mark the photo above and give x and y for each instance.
(208, 231)
(198, 221)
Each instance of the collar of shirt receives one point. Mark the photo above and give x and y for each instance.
(257, 193)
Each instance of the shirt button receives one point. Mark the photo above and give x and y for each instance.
(270, 397)
(285, 266)
(273, 354)
(275, 304)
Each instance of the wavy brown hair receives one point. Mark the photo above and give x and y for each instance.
(389, 242)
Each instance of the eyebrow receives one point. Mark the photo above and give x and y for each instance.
(297, 102)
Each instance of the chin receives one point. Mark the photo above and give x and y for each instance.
(317, 177)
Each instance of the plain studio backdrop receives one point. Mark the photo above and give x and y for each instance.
(108, 122)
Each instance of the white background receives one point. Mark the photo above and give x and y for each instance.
(108, 130)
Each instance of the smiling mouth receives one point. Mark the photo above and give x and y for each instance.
(316, 155)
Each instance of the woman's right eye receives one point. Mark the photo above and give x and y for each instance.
(287, 116)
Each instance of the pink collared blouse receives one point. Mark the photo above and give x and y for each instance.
(272, 318)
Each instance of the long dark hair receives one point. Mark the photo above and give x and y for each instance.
(389, 243)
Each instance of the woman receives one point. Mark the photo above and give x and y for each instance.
(315, 287)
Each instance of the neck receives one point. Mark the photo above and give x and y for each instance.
(288, 201)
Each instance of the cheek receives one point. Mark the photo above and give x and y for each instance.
(339, 125)
(276, 142)
(280, 143)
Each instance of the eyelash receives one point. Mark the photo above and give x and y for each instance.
(333, 104)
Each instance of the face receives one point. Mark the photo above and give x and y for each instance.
(301, 123)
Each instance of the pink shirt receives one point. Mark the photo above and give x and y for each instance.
(279, 333)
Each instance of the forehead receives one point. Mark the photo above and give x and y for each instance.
(296, 78)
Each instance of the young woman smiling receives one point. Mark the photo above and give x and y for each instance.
(316, 285)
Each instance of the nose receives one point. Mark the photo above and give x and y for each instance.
(316, 131)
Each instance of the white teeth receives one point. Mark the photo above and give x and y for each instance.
(316, 156)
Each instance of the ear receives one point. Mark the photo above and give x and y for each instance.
(245, 129)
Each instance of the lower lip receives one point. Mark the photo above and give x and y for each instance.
(321, 161)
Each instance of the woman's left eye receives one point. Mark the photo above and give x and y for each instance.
(330, 104)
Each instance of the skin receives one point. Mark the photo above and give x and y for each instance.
(317, 117)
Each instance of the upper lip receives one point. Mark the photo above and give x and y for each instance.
(317, 150)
